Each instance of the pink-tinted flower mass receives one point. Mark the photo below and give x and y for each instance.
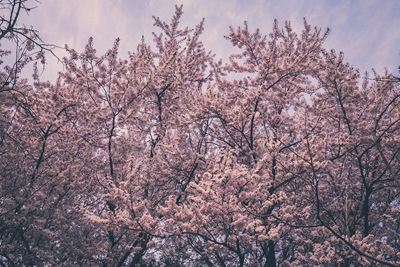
(285, 155)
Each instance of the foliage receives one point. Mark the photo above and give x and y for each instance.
(283, 156)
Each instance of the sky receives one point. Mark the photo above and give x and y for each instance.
(367, 31)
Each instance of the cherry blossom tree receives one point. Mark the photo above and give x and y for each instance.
(236, 198)
(283, 156)
(27, 132)
(352, 153)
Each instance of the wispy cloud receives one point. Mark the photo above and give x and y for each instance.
(367, 31)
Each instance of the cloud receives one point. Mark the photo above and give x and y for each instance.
(367, 31)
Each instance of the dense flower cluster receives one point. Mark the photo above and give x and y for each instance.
(282, 156)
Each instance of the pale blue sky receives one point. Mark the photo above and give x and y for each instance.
(367, 31)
